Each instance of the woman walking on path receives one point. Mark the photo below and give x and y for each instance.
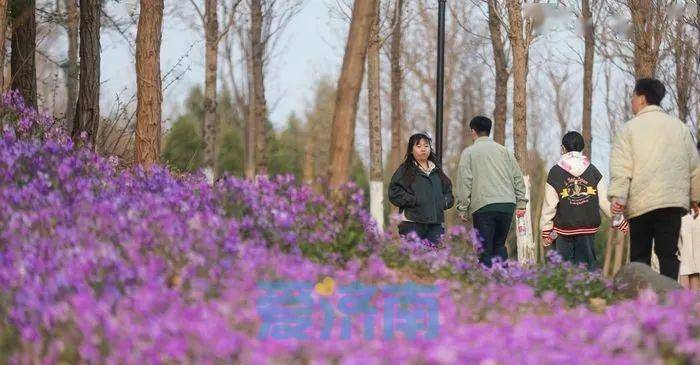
(421, 191)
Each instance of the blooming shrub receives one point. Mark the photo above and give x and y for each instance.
(138, 266)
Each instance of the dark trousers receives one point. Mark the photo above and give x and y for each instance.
(577, 249)
(493, 230)
(430, 232)
(662, 227)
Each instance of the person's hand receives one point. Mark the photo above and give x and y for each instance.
(624, 226)
(520, 213)
(616, 207)
(546, 238)
(695, 209)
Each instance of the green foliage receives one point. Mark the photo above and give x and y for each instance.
(230, 157)
(287, 149)
(572, 285)
(184, 147)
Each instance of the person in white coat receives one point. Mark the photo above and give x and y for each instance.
(689, 249)
(654, 177)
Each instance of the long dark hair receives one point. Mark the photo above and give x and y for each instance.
(410, 164)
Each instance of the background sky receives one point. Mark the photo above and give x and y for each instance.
(310, 47)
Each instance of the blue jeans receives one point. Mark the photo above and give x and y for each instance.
(577, 249)
(493, 230)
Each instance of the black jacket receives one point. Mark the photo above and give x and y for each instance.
(425, 199)
(578, 211)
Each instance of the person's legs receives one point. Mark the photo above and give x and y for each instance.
(407, 227)
(565, 247)
(667, 228)
(694, 282)
(684, 280)
(641, 236)
(584, 250)
(433, 232)
(485, 225)
(503, 221)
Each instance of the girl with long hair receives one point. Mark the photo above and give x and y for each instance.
(421, 190)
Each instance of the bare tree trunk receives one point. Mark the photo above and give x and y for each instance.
(376, 179)
(259, 105)
(148, 82)
(648, 20)
(87, 113)
(682, 53)
(249, 155)
(349, 84)
(209, 133)
(3, 36)
(520, 38)
(499, 56)
(519, 48)
(467, 109)
(588, 59)
(396, 86)
(72, 24)
(23, 64)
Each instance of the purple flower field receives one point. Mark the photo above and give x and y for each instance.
(102, 265)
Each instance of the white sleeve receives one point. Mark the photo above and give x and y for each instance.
(549, 208)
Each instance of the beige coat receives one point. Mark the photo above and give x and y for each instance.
(654, 163)
(689, 246)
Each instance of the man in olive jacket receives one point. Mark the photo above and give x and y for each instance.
(490, 188)
(655, 177)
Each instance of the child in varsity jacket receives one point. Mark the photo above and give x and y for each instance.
(575, 194)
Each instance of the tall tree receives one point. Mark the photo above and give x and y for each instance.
(500, 108)
(682, 44)
(249, 155)
(397, 116)
(520, 35)
(23, 63)
(349, 84)
(213, 33)
(376, 187)
(72, 71)
(649, 24)
(87, 112)
(3, 36)
(148, 82)
(267, 19)
(588, 59)
(258, 104)
(211, 55)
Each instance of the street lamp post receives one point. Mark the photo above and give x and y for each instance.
(440, 80)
